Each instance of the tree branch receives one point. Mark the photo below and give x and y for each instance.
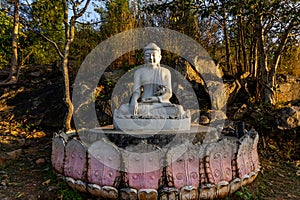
(77, 15)
(54, 44)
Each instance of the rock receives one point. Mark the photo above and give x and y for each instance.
(188, 72)
(40, 161)
(288, 88)
(216, 116)
(288, 118)
(204, 120)
(218, 93)
(15, 154)
(240, 113)
(35, 74)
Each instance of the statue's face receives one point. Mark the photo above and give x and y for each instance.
(152, 57)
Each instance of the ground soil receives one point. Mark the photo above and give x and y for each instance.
(26, 133)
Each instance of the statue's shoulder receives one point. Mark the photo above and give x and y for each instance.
(140, 70)
(165, 70)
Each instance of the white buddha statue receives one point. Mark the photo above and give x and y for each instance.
(151, 91)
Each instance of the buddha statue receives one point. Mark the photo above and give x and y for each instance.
(152, 91)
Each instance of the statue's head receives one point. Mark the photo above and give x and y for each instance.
(152, 54)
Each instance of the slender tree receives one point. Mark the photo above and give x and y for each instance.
(78, 9)
(14, 68)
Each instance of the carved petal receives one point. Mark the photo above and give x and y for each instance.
(220, 159)
(222, 189)
(145, 172)
(254, 155)
(109, 192)
(128, 194)
(94, 189)
(104, 163)
(169, 193)
(147, 194)
(185, 169)
(189, 193)
(71, 182)
(208, 192)
(75, 163)
(58, 154)
(81, 186)
(244, 157)
(235, 185)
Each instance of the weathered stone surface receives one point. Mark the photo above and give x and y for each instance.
(109, 192)
(244, 158)
(222, 189)
(147, 194)
(104, 163)
(184, 168)
(218, 95)
(289, 88)
(143, 171)
(169, 193)
(220, 156)
(75, 160)
(199, 171)
(128, 194)
(208, 192)
(81, 186)
(189, 193)
(254, 155)
(94, 189)
(288, 118)
(235, 185)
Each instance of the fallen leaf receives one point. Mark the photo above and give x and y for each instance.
(47, 182)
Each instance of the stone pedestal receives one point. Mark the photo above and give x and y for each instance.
(114, 164)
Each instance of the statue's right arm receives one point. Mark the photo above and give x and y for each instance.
(136, 94)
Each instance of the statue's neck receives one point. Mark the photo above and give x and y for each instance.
(152, 66)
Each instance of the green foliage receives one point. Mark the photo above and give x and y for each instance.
(86, 39)
(63, 189)
(6, 25)
(291, 59)
(46, 17)
(68, 193)
(117, 17)
(244, 193)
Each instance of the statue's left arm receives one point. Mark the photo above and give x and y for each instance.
(167, 94)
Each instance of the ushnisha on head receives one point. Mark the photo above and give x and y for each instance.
(152, 54)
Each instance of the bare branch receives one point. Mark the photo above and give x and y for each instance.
(83, 9)
(54, 44)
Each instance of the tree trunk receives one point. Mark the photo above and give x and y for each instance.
(266, 92)
(227, 45)
(252, 62)
(14, 60)
(242, 39)
(268, 78)
(69, 35)
(65, 69)
(14, 68)
(277, 55)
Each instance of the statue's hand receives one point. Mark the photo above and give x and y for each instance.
(150, 99)
(134, 107)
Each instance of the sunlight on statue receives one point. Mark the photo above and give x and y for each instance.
(151, 91)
